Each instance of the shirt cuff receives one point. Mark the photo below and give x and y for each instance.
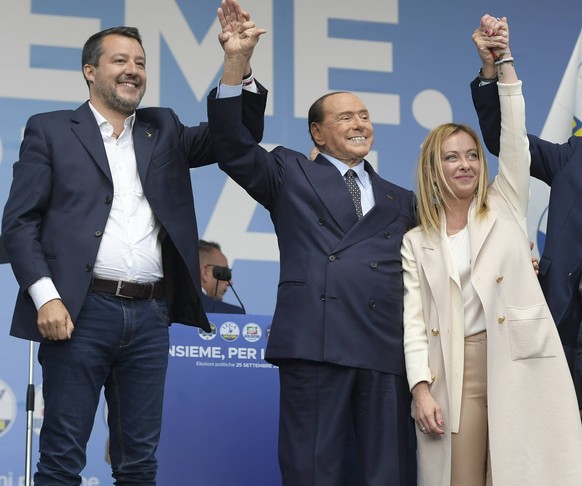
(227, 91)
(42, 291)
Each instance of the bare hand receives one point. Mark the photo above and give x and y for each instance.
(239, 35)
(54, 321)
(534, 260)
(429, 418)
(491, 38)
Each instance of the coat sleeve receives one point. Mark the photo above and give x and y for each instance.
(512, 179)
(486, 103)
(28, 199)
(415, 338)
(238, 153)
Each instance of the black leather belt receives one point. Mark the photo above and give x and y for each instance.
(129, 290)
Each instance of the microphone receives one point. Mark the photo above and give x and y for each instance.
(225, 274)
(222, 273)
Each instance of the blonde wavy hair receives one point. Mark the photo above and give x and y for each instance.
(433, 190)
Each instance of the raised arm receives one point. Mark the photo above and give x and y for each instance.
(238, 38)
(492, 41)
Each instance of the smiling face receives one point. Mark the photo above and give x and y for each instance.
(118, 82)
(346, 131)
(461, 165)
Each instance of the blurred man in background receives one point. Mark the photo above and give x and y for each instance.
(213, 289)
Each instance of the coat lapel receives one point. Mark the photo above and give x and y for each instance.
(448, 299)
(478, 232)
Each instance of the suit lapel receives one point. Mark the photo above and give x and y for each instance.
(331, 189)
(333, 192)
(144, 139)
(387, 207)
(85, 128)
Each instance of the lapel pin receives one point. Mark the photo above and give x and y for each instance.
(148, 134)
(389, 196)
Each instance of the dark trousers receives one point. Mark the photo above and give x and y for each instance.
(317, 402)
(122, 345)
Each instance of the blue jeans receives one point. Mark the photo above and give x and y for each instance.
(122, 345)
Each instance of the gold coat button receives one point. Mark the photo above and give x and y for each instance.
(435, 332)
(501, 319)
(499, 278)
(433, 377)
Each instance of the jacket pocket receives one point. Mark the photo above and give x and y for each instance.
(532, 332)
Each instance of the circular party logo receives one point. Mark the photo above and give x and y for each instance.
(7, 408)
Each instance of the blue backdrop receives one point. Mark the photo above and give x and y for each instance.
(411, 62)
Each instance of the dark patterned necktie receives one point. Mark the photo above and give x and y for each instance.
(350, 178)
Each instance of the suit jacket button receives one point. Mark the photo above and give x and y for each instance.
(332, 258)
(88, 267)
(321, 221)
(374, 264)
(98, 233)
(387, 235)
(501, 319)
(322, 297)
(372, 304)
(108, 199)
(499, 279)
(435, 332)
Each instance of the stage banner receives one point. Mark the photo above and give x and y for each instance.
(220, 406)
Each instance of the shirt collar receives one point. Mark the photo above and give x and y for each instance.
(106, 127)
(359, 169)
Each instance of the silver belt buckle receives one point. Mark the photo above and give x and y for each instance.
(118, 291)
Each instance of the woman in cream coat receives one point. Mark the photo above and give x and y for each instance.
(492, 395)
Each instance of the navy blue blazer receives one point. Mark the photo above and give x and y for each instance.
(340, 287)
(61, 196)
(218, 306)
(559, 166)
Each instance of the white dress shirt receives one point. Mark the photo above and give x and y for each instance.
(460, 249)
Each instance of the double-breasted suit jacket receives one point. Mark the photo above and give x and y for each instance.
(61, 196)
(532, 408)
(559, 166)
(340, 288)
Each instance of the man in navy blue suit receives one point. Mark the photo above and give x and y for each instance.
(213, 290)
(337, 329)
(559, 166)
(100, 230)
